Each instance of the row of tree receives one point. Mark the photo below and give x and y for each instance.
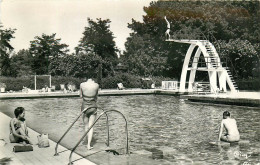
(47, 55)
(231, 26)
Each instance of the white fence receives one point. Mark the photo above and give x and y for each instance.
(169, 84)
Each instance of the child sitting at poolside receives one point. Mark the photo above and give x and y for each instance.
(230, 125)
(18, 129)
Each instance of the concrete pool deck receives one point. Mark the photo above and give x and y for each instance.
(103, 92)
(39, 156)
(244, 98)
(45, 156)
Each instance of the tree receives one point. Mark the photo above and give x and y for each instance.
(142, 58)
(21, 63)
(216, 21)
(241, 53)
(87, 65)
(82, 65)
(5, 49)
(44, 48)
(63, 66)
(98, 39)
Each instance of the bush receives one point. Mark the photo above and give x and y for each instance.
(253, 84)
(17, 84)
(2, 85)
(128, 80)
(110, 82)
(66, 80)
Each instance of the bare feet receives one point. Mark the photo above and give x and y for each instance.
(84, 142)
(90, 148)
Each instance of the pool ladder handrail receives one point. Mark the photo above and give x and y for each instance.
(105, 112)
(56, 148)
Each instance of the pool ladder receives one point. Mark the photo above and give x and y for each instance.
(104, 112)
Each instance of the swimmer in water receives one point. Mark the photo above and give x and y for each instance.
(230, 125)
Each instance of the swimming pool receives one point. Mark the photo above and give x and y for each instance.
(155, 121)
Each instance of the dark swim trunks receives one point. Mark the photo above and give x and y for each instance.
(91, 104)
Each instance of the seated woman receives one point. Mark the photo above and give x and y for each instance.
(18, 129)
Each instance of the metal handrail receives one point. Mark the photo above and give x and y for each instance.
(207, 84)
(232, 68)
(127, 147)
(56, 148)
(214, 39)
(207, 61)
(204, 37)
(201, 84)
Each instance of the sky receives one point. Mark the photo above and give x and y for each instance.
(67, 18)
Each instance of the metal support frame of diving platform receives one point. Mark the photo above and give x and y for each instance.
(213, 65)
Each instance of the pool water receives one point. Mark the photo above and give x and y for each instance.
(154, 121)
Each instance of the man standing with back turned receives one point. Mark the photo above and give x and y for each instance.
(230, 125)
(89, 92)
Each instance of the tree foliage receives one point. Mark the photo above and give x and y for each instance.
(98, 38)
(5, 49)
(21, 63)
(82, 65)
(219, 22)
(142, 58)
(42, 49)
(243, 56)
(98, 44)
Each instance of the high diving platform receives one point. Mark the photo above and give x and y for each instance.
(204, 52)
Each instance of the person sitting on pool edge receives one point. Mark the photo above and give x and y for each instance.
(18, 128)
(230, 125)
(89, 93)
